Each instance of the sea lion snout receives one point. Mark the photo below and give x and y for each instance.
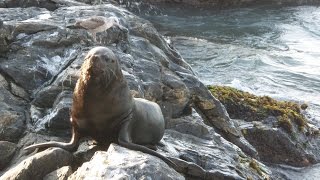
(103, 54)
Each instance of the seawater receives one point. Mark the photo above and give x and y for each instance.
(272, 51)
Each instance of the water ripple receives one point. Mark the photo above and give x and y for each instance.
(266, 51)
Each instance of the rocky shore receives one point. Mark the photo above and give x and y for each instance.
(40, 56)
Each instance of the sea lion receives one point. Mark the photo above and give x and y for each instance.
(104, 108)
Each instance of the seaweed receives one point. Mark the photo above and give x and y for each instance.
(249, 107)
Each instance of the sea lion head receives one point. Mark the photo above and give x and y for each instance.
(102, 65)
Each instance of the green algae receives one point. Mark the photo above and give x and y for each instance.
(249, 107)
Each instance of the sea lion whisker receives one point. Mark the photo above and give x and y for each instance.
(112, 72)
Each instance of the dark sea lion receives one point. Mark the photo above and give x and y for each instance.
(104, 109)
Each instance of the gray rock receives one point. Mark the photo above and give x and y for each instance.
(277, 146)
(197, 150)
(121, 163)
(25, 3)
(27, 140)
(40, 164)
(60, 174)
(157, 77)
(229, 4)
(214, 113)
(12, 113)
(7, 150)
(18, 91)
(58, 120)
(53, 52)
(295, 173)
(11, 125)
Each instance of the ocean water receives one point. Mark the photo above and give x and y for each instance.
(271, 51)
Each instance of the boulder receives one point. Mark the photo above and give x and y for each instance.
(7, 150)
(197, 148)
(12, 113)
(224, 4)
(11, 125)
(277, 129)
(60, 174)
(40, 164)
(55, 51)
(121, 163)
(42, 57)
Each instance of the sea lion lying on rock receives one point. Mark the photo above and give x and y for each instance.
(104, 109)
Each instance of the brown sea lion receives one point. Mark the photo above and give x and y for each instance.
(104, 108)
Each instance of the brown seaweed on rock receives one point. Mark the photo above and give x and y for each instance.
(249, 107)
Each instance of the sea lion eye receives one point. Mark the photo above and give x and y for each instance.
(94, 57)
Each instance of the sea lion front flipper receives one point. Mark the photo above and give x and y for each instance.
(66, 146)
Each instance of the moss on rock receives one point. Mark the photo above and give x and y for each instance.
(249, 107)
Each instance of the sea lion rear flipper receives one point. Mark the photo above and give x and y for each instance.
(125, 140)
(144, 149)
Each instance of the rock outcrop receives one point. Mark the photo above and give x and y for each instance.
(221, 4)
(277, 129)
(37, 166)
(41, 53)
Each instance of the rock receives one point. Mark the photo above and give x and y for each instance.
(214, 113)
(11, 125)
(294, 173)
(5, 36)
(53, 51)
(7, 150)
(60, 174)
(157, 77)
(226, 4)
(58, 120)
(18, 91)
(24, 3)
(40, 164)
(121, 163)
(276, 146)
(27, 140)
(12, 113)
(197, 150)
(277, 129)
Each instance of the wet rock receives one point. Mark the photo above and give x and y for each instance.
(44, 59)
(12, 113)
(27, 140)
(58, 120)
(40, 164)
(119, 162)
(232, 3)
(12, 125)
(50, 5)
(214, 113)
(277, 129)
(18, 91)
(86, 149)
(60, 174)
(5, 36)
(197, 149)
(276, 146)
(294, 173)
(7, 150)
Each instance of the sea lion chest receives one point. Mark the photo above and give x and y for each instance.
(100, 105)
